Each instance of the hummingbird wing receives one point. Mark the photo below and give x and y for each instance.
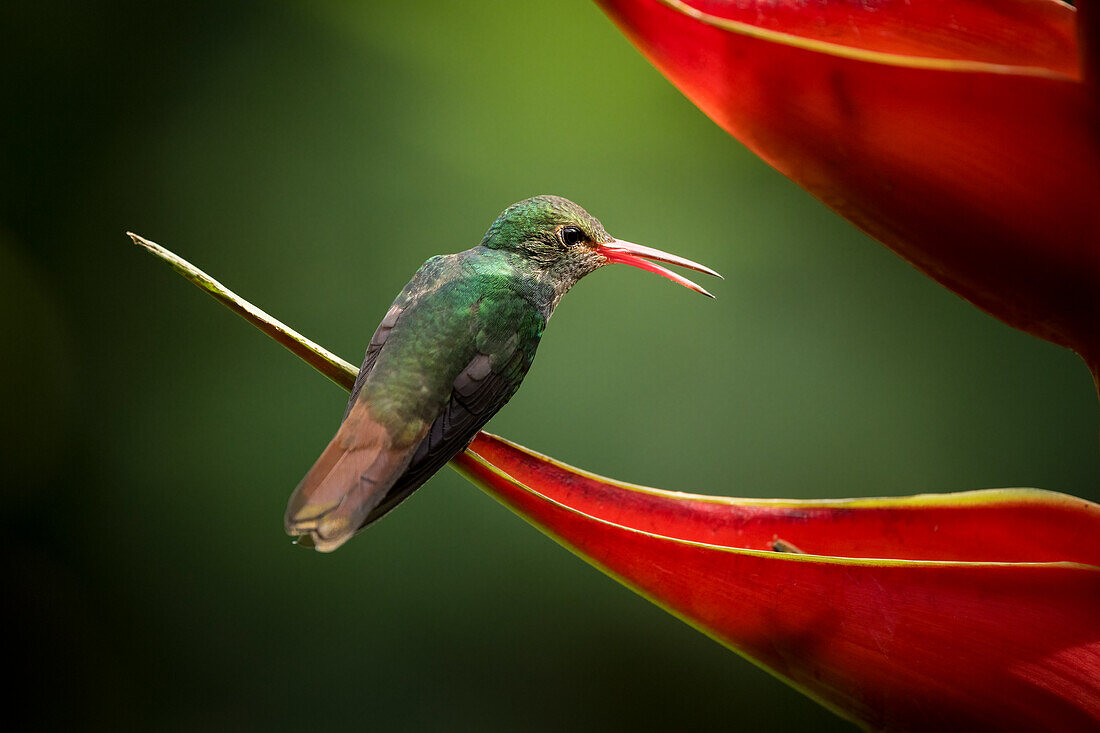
(448, 355)
(377, 341)
(479, 391)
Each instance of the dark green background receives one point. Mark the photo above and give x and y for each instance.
(312, 155)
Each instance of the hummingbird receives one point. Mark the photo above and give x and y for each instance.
(450, 352)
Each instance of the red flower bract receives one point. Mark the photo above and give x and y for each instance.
(960, 134)
(983, 617)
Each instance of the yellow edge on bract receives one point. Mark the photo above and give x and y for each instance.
(827, 704)
(876, 57)
(781, 556)
(917, 501)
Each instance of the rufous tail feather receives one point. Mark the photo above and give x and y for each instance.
(350, 478)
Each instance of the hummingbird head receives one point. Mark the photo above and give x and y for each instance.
(566, 243)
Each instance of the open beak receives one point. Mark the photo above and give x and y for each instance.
(638, 255)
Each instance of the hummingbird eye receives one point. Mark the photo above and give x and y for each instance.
(571, 236)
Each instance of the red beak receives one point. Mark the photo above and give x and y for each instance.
(638, 255)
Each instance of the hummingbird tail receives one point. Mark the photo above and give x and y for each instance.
(350, 478)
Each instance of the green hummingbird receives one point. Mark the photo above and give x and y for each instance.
(451, 351)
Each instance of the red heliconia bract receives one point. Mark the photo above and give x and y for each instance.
(983, 617)
(963, 134)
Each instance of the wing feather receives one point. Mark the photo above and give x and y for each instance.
(371, 465)
(476, 397)
(374, 348)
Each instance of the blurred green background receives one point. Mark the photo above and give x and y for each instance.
(312, 155)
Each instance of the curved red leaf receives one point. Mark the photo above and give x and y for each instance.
(893, 643)
(997, 525)
(983, 176)
(1037, 33)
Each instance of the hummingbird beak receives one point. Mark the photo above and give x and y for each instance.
(639, 255)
